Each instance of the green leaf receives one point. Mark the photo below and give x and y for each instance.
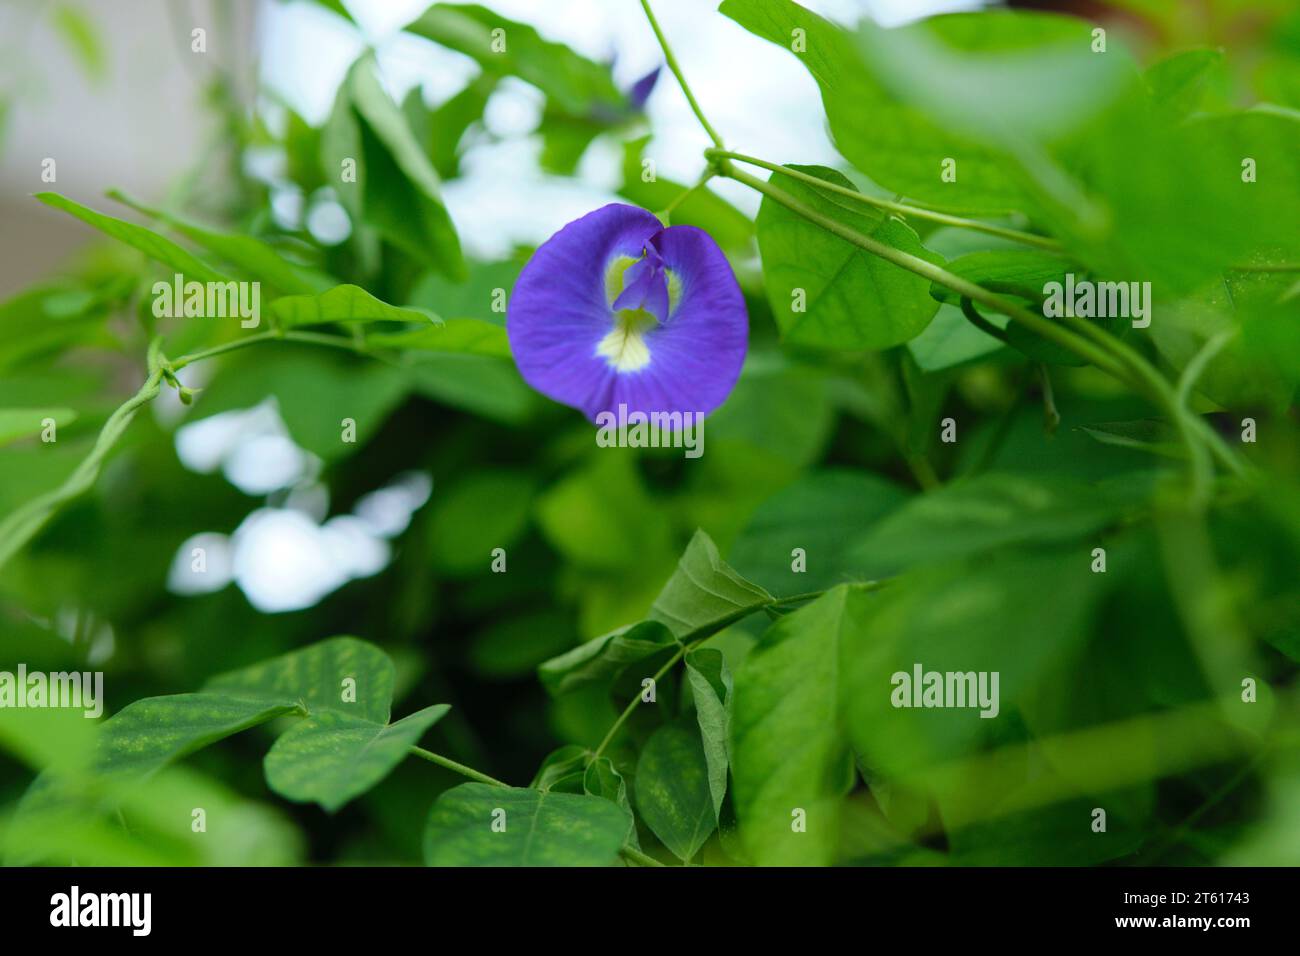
(345, 745)
(893, 142)
(602, 659)
(1139, 224)
(478, 384)
(464, 336)
(343, 303)
(1025, 274)
(790, 748)
(673, 790)
(541, 828)
(1147, 434)
(704, 594)
(483, 295)
(601, 779)
(563, 770)
(1238, 373)
(1018, 272)
(711, 685)
(397, 190)
(951, 340)
(147, 735)
(822, 514)
(330, 757)
(1009, 79)
(146, 240)
(828, 293)
(343, 675)
(441, 130)
(252, 257)
(1015, 614)
(571, 82)
(989, 511)
(16, 423)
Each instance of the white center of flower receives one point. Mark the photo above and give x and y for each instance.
(624, 347)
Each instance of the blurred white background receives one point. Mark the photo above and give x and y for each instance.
(138, 122)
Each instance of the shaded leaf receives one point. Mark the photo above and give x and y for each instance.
(711, 685)
(147, 241)
(542, 828)
(673, 792)
(252, 257)
(827, 292)
(331, 758)
(320, 677)
(789, 744)
(603, 658)
(601, 780)
(989, 511)
(704, 593)
(396, 188)
(822, 514)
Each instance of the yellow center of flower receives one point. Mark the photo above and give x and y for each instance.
(624, 346)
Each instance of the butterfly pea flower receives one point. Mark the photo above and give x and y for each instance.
(641, 90)
(617, 310)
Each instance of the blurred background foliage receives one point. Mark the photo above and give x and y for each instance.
(391, 538)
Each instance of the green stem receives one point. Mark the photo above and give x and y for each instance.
(632, 704)
(1051, 417)
(23, 524)
(1082, 338)
(902, 209)
(460, 768)
(20, 526)
(685, 194)
(905, 260)
(984, 325)
(796, 598)
(313, 338)
(637, 857)
(698, 636)
(677, 72)
(1200, 361)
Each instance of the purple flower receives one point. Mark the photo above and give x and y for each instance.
(614, 309)
(642, 89)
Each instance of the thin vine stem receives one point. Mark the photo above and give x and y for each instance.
(21, 525)
(1108, 354)
(935, 273)
(313, 338)
(902, 209)
(632, 704)
(673, 65)
(667, 211)
(698, 636)
(449, 764)
(1194, 369)
(637, 857)
(1084, 339)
